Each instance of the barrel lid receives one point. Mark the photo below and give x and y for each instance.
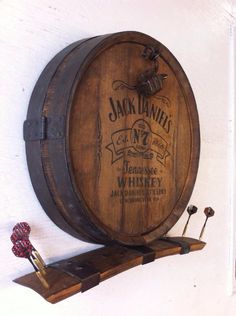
(133, 138)
(112, 139)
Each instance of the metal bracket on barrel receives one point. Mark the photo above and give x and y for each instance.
(44, 128)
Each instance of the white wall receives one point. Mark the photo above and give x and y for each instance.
(198, 34)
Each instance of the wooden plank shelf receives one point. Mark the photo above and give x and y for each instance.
(82, 272)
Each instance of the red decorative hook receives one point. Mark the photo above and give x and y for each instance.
(23, 248)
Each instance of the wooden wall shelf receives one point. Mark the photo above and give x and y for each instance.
(82, 272)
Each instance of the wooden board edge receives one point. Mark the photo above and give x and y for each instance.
(64, 285)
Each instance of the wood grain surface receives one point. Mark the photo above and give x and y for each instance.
(104, 262)
(119, 165)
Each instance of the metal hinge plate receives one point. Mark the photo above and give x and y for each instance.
(44, 128)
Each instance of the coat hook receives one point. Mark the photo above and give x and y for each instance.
(191, 210)
(23, 248)
(209, 212)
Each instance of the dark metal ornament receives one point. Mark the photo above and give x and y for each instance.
(149, 82)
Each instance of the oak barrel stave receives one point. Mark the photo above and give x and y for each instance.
(37, 162)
